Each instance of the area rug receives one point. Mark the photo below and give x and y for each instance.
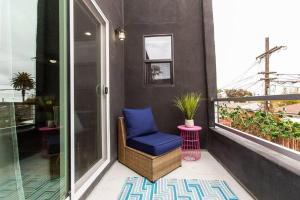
(138, 188)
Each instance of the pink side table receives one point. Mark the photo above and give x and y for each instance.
(191, 142)
(48, 133)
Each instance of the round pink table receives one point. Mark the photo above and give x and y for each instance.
(191, 142)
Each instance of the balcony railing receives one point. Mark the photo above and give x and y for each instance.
(275, 129)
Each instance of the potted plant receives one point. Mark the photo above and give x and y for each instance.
(188, 104)
(47, 103)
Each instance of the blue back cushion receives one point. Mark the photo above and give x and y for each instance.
(139, 122)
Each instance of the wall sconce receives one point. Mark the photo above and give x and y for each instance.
(52, 61)
(120, 33)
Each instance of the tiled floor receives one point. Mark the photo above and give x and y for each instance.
(206, 168)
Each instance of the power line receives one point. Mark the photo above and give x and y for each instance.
(242, 80)
(242, 75)
(247, 84)
(251, 85)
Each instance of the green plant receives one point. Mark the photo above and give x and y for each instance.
(223, 111)
(46, 103)
(22, 81)
(262, 123)
(188, 104)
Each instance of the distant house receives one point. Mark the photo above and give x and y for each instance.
(290, 109)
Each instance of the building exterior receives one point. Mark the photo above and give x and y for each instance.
(84, 75)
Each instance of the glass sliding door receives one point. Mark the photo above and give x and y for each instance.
(87, 82)
(33, 99)
(90, 99)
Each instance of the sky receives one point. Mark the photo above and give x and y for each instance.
(240, 30)
(159, 47)
(17, 43)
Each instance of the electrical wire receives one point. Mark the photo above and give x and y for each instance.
(241, 76)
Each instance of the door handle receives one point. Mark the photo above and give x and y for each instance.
(105, 90)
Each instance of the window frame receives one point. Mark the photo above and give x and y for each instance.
(151, 61)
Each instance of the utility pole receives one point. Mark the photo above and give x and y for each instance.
(266, 55)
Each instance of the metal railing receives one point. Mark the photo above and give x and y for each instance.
(273, 146)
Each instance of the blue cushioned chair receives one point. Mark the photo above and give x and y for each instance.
(156, 143)
(143, 148)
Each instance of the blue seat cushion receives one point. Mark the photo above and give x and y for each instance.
(156, 143)
(139, 122)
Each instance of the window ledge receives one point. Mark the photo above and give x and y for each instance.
(284, 161)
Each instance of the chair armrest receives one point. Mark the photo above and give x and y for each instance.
(121, 139)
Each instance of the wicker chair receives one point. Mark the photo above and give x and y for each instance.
(151, 167)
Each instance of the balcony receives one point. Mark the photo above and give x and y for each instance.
(207, 168)
(71, 69)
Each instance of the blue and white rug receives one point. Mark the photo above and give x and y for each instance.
(138, 188)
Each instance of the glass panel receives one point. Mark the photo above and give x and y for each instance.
(159, 73)
(158, 47)
(280, 125)
(87, 81)
(32, 134)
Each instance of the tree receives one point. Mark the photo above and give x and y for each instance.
(237, 93)
(22, 81)
(155, 71)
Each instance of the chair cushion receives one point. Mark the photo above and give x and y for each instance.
(156, 143)
(139, 122)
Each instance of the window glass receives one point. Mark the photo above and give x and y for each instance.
(87, 81)
(159, 73)
(158, 60)
(158, 48)
(33, 100)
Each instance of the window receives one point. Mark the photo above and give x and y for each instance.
(258, 94)
(158, 60)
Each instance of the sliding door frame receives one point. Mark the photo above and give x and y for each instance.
(78, 190)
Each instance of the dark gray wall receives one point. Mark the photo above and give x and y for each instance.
(184, 20)
(113, 10)
(264, 178)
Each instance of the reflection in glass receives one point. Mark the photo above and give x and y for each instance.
(158, 48)
(88, 148)
(32, 144)
(159, 73)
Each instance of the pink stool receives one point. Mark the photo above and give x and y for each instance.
(191, 142)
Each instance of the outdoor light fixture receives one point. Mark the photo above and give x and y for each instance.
(120, 33)
(52, 61)
(88, 33)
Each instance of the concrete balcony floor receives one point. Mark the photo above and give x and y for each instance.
(207, 168)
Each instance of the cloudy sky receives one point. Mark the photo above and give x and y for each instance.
(240, 30)
(17, 42)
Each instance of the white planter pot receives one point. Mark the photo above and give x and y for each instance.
(50, 123)
(189, 123)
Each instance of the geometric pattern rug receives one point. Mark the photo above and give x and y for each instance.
(35, 187)
(138, 188)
